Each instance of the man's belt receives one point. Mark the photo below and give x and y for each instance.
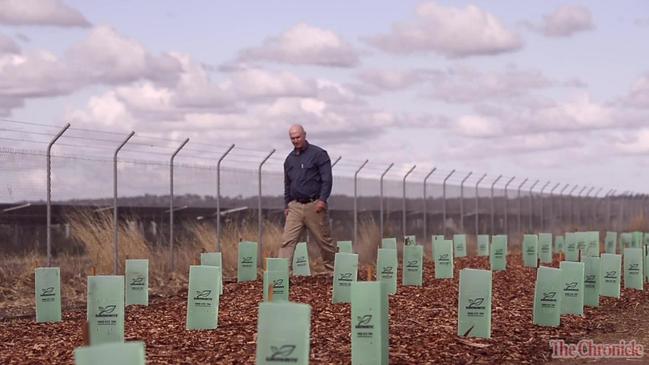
(306, 201)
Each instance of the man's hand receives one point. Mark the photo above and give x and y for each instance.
(320, 206)
(286, 212)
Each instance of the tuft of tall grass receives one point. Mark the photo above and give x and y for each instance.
(638, 223)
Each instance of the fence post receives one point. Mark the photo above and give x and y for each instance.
(218, 197)
(171, 203)
(553, 219)
(444, 202)
(584, 204)
(403, 204)
(426, 204)
(48, 223)
(381, 199)
(520, 205)
(115, 221)
(590, 204)
(562, 201)
(260, 222)
(542, 209)
(493, 206)
(477, 205)
(507, 205)
(622, 209)
(608, 197)
(572, 203)
(355, 234)
(531, 220)
(579, 206)
(462, 201)
(594, 207)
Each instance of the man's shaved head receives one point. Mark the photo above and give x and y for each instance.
(297, 128)
(297, 134)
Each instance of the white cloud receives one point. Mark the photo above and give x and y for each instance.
(639, 94)
(104, 57)
(566, 21)
(108, 57)
(336, 93)
(40, 12)
(7, 45)
(458, 84)
(304, 44)
(452, 32)
(269, 101)
(255, 82)
(466, 85)
(637, 143)
(106, 110)
(145, 98)
(478, 126)
(196, 89)
(390, 79)
(35, 74)
(577, 114)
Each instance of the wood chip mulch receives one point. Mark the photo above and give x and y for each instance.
(422, 325)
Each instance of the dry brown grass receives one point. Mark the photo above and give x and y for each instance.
(639, 223)
(368, 243)
(95, 233)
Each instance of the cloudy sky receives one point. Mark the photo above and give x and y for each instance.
(552, 90)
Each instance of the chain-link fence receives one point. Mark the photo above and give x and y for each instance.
(369, 200)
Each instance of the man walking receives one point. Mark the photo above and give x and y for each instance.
(307, 186)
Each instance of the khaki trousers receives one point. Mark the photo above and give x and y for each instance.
(304, 215)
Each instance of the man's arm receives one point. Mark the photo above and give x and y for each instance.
(324, 167)
(287, 185)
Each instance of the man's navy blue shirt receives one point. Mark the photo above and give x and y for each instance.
(307, 174)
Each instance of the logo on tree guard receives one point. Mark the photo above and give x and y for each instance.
(475, 303)
(590, 279)
(571, 286)
(549, 296)
(610, 275)
(300, 260)
(443, 257)
(347, 276)
(203, 294)
(282, 353)
(413, 264)
(137, 281)
(48, 292)
(364, 321)
(279, 283)
(106, 311)
(246, 260)
(634, 267)
(387, 270)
